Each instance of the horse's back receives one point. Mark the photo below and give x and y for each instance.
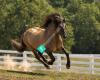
(35, 30)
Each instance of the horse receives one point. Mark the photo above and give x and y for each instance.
(31, 38)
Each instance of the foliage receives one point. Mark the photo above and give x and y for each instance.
(82, 21)
(18, 13)
(87, 29)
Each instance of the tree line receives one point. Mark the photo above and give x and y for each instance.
(82, 21)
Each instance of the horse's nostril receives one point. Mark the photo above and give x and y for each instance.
(65, 36)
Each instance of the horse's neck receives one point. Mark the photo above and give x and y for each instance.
(49, 31)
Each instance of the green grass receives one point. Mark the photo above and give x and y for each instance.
(45, 75)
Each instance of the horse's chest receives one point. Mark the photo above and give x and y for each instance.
(55, 44)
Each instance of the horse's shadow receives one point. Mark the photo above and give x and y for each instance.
(29, 73)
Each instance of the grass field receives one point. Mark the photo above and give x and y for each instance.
(45, 75)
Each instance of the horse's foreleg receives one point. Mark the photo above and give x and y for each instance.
(40, 58)
(68, 59)
(51, 57)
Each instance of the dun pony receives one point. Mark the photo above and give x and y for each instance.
(33, 37)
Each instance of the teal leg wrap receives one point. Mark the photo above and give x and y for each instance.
(41, 48)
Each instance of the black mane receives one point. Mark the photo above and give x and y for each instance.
(49, 19)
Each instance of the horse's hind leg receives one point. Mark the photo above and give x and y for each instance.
(68, 59)
(43, 57)
(51, 57)
(38, 56)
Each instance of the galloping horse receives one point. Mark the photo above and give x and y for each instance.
(31, 38)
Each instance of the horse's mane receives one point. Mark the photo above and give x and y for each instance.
(49, 18)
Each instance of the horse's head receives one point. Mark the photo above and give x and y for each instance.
(58, 21)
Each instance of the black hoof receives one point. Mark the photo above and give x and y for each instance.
(50, 63)
(48, 67)
(68, 66)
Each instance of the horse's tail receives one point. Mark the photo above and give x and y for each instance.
(19, 46)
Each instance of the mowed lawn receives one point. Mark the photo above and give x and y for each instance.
(45, 75)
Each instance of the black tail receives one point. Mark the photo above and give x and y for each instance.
(19, 46)
(22, 30)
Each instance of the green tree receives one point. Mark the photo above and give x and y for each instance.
(86, 29)
(56, 3)
(73, 6)
(14, 14)
(88, 1)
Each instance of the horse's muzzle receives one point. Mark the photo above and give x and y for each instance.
(65, 36)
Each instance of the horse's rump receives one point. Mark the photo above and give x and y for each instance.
(33, 37)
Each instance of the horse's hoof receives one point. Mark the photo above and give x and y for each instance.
(67, 66)
(50, 63)
(48, 67)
